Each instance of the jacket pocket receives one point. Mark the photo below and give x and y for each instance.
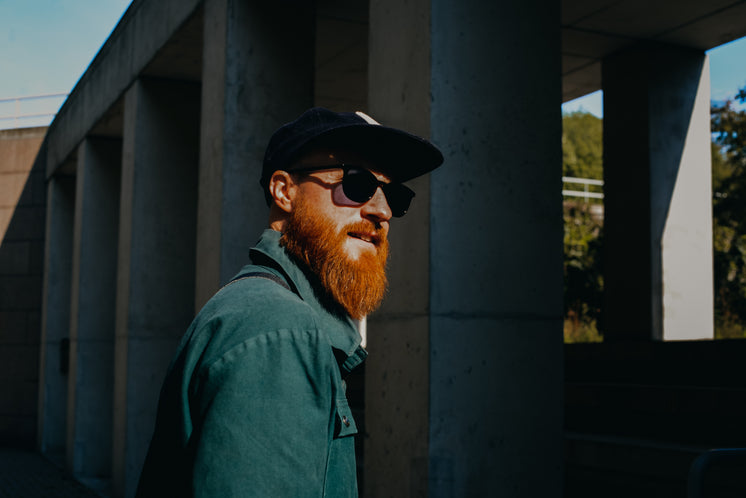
(345, 424)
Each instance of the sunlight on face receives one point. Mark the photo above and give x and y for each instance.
(323, 194)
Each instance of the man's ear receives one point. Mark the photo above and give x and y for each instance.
(282, 188)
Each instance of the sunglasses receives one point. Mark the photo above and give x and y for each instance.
(359, 185)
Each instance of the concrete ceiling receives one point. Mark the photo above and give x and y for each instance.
(594, 29)
(591, 30)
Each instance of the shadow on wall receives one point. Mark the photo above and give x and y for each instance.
(22, 226)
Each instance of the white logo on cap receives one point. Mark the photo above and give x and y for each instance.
(367, 118)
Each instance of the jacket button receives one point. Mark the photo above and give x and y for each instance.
(345, 421)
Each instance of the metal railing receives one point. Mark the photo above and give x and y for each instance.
(704, 480)
(586, 192)
(30, 110)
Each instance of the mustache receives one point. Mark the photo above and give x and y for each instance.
(366, 229)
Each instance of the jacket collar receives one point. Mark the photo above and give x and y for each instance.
(341, 330)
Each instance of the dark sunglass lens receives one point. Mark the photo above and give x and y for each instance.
(399, 198)
(359, 185)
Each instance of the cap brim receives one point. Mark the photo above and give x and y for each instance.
(401, 155)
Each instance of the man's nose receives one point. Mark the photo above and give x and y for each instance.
(377, 207)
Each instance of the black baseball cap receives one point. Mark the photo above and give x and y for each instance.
(401, 155)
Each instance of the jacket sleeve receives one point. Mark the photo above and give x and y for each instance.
(263, 418)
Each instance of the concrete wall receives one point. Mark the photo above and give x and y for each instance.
(19, 182)
(22, 216)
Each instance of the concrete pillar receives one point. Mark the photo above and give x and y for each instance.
(487, 344)
(397, 370)
(55, 323)
(658, 201)
(94, 262)
(156, 258)
(341, 55)
(257, 73)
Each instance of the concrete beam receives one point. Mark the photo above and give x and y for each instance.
(140, 34)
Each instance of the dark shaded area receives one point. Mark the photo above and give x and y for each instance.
(638, 414)
(27, 474)
(356, 398)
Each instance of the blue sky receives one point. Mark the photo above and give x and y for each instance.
(46, 45)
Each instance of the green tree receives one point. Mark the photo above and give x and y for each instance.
(582, 271)
(582, 145)
(729, 216)
(582, 157)
(582, 151)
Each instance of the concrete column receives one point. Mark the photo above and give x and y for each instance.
(493, 361)
(55, 327)
(658, 201)
(156, 258)
(257, 74)
(397, 371)
(91, 379)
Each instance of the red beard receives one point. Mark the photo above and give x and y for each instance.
(358, 286)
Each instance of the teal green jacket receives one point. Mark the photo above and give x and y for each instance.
(254, 402)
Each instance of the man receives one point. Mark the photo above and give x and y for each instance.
(254, 402)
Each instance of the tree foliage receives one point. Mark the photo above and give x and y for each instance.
(582, 158)
(583, 272)
(582, 147)
(729, 216)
